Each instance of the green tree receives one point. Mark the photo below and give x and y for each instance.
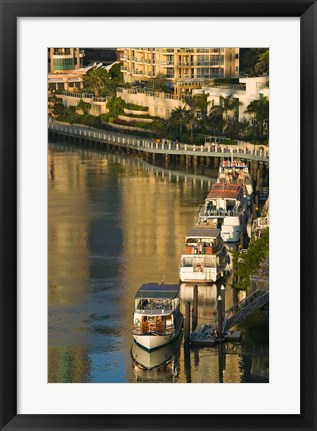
(115, 73)
(216, 122)
(250, 60)
(59, 109)
(259, 109)
(201, 101)
(158, 83)
(229, 108)
(262, 65)
(249, 263)
(179, 117)
(84, 107)
(191, 102)
(158, 126)
(96, 80)
(115, 106)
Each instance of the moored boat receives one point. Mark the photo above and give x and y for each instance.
(227, 207)
(157, 318)
(237, 172)
(205, 257)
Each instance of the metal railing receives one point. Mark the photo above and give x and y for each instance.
(149, 145)
(85, 96)
(218, 213)
(244, 308)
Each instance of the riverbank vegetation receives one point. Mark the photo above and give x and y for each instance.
(252, 262)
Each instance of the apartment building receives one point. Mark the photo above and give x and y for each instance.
(248, 89)
(139, 64)
(65, 59)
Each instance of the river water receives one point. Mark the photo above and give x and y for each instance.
(114, 223)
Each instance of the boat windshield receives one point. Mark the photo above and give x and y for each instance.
(154, 304)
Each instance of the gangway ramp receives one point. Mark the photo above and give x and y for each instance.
(244, 308)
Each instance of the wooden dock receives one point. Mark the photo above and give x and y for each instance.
(204, 335)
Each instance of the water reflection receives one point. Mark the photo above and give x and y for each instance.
(114, 223)
(145, 360)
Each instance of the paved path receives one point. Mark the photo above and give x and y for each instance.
(243, 150)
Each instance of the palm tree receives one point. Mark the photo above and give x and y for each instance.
(97, 79)
(260, 111)
(180, 117)
(115, 106)
(202, 102)
(216, 122)
(262, 66)
(229, 105)
(158, 83)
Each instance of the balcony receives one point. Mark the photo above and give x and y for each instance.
(185, 64)
(185, 50)
(209, 50)
(207, 63)
(167, 63)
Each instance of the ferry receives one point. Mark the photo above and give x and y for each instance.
(157, 318)
(226, 206)
(236, 171)
(204, 259)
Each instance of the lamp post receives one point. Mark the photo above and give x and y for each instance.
(223, 297)
(219, 309)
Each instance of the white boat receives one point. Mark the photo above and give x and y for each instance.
(226, 206)
(157, 318)
(236, 171)
(204, 259)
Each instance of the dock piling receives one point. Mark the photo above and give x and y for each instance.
(195, 307)
(187, 322)
(219, 310)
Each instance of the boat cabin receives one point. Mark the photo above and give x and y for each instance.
(224, 199)
(203, 241)
(154, 307)
(202, 250)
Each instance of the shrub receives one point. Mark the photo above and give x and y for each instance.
(135, 107)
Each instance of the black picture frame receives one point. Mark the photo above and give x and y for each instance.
(10, 11)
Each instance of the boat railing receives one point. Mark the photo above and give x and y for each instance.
(139, 330)
(204, 212)
(153, 311)
(204, 250)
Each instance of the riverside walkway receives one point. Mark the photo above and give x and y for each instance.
(243, 150)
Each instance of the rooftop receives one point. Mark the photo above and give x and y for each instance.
(203, 232)
(224, 191)
(157, 291)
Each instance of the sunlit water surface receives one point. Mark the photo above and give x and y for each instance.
(114, 223)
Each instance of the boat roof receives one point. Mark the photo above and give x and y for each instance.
(204, 232)
(223, 190)
(157, 291)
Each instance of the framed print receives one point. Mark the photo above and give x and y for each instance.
(112, 279)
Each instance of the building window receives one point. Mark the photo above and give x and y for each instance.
(63, 63)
